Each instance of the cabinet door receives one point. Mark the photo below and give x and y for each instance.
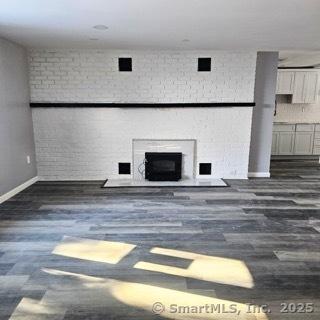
(286, 143)
(316, 144)
(311, 87)
(303, 143)
(298, 89)
(305, 88)
(316, 150)
(285, 82)
(275, 143)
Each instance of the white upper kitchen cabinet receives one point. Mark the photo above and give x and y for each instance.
(305, 87)
(311, 87)
(285, 82)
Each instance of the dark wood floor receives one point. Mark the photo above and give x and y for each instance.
(254, 242)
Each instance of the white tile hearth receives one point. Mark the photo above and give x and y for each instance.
(116, 183)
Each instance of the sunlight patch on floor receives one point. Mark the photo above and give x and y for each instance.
(145, 297)
(93, 250)
(29, 308)
(207, 268)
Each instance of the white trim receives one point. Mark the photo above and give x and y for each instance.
(18, 189)
(258, 174)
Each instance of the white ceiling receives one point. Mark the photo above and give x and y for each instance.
(208, 24)
(299, 58)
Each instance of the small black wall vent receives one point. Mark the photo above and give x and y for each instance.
(204, 168)
(124, 168)
(204, 64)
(125, 64)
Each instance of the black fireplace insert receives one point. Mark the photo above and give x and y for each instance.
(163, 166)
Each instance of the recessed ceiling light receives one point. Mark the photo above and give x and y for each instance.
(100, 27)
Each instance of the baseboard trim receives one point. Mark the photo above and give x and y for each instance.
(18, 189)
(258, 174)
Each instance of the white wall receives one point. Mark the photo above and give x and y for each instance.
(16, 135)
(73, 143)
(298, 113)
(158, 76)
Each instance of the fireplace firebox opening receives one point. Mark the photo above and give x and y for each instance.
(163, 166)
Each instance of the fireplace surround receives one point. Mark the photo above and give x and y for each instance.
(163, 166)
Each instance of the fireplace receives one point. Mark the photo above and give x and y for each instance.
(163, 166)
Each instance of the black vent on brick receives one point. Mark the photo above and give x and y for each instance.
(204, 168)
(124, 168)
(204, 64)
(125, 64)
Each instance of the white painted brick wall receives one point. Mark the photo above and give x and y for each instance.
(76, 143)
(158, 76)
(89, 143)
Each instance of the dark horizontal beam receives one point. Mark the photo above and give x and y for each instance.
(300, 67)
(139, 105)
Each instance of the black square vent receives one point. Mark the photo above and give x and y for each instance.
(204, 168)
(124, 168)
(125, 64)
(204, 64)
